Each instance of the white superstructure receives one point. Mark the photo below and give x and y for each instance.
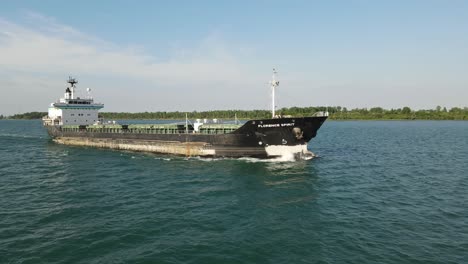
(72, 110)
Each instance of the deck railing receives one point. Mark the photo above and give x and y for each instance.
(150, 129)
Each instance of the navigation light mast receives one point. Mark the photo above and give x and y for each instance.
(273, 84)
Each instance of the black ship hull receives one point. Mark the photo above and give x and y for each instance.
(267, 138)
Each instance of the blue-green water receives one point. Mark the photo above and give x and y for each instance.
(381, 192)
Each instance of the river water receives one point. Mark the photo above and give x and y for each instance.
(380, 192)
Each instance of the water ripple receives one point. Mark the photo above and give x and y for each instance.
(381, 192)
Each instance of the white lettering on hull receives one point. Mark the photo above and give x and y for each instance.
(276, 125)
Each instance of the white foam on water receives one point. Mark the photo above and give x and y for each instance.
(165, 159)
(283, 153)
(289, 153)
(288, 157)
(208, 159)
(17, 135)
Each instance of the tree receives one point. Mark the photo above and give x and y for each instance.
(406, 110)
(375, 113)
(377, 110)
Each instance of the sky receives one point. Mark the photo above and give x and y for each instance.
(201, 55)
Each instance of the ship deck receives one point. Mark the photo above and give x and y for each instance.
(153, 128)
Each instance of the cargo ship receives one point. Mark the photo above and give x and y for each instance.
(75, 121)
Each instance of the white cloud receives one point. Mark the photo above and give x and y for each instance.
(38, 54)
(51, 50)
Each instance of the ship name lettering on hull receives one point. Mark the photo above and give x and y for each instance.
(276, 125)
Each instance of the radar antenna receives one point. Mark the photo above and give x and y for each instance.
(72, 81)
(273, 84)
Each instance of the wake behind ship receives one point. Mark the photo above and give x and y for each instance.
(74, 121)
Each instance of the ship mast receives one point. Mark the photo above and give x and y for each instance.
(72, 82)
(273, 84)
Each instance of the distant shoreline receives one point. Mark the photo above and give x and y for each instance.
(246, 119)
(336, 113)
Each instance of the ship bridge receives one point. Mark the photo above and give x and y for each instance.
(72, 110)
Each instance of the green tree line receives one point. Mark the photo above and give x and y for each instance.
(28, 115)
(336, 113)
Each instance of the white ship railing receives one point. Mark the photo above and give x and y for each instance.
(321, 114)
